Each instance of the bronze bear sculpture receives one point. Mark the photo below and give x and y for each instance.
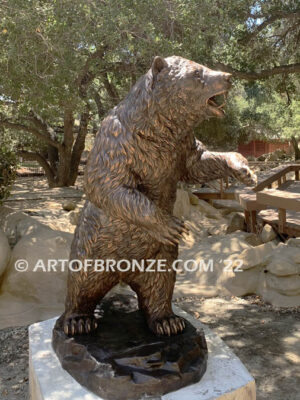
(143, 148)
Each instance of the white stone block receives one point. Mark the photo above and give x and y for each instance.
(226, 378)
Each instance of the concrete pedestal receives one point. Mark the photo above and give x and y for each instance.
(226, 378)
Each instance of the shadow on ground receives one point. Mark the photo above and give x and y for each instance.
(267, 340)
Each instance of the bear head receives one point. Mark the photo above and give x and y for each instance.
(188, 92)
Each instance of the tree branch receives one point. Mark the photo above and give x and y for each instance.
(99, 104)
(79, 145)
(42, 124)
(68, 129)
(86, 76)
(33, 131)
(263, 74)
(111, 90)
(269, 20)
(32, 156)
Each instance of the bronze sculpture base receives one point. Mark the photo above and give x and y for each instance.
(123, 360)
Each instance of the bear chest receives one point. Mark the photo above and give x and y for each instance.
(158, 169)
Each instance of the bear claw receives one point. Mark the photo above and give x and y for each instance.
(168, 326)
(79, 325)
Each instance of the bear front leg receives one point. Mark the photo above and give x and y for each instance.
(112, 187)
(203, 166)
(155, 291)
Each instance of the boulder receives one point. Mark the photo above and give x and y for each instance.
(69, 205)
(209, 210)
(236, 222)
(209, 256)
(293, 242)
(5, 252)
(243, 272)
(182, 206)
(262, 157)
(276, 299)
(240, 282)
(194, 200)
(253, 239)
(285, 261)
(286, 286)
(254, 256)
(17, 224)
(36, 278)
(74, 217)
(17, 311)
(268, 234)
(228, 206)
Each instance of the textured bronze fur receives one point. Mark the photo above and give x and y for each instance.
(143, 148)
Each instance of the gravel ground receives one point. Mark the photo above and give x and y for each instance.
(266, 339)
(14, 364)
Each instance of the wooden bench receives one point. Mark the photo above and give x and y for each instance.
(251, 206)
(282, 201)
(251, 202)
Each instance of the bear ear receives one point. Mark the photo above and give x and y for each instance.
(158, 64)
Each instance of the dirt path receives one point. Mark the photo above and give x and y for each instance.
(267, 340)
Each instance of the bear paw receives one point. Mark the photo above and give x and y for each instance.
(172, 232)
(168, 326)
(238, 165)
(246, 176)
(78, 324)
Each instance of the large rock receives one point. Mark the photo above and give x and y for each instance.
(254, 256)
(277, 299)
(194, 200)
(236, 222)
(39, 281)
(182, 206)
(228, 206)
(242, 275)
(268, 270)
(209, 210)
(74, 217)
(4, 252)
(69, 205)
(267, 234)
(293, 242)
(33, 278)
(284, 285)
(17, 224)
(285, 261)
(205, 262)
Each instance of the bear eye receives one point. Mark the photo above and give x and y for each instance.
(199, 75)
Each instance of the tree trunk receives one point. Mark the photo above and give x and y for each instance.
(78, 147)
(49, 172)
(295, 143)
(52, 154)
(65, 151)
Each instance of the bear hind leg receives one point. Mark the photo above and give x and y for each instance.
(85, 291)
(155, 300)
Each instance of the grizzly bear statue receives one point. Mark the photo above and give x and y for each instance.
(143, 148)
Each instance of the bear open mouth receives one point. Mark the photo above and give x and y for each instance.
(217, 102)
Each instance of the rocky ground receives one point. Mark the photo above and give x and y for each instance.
(265, 338)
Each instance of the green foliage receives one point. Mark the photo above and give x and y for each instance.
(58, 55)
(8, 166)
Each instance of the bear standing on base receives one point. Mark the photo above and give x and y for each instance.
(143, 148)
